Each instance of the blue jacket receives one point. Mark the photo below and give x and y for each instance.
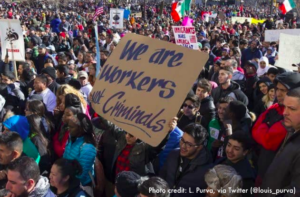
(248, 54)
(172, 144)
(55, 24)
(18, 124)
(85, 154)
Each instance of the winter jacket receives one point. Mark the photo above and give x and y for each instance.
(62, 81)
(239, 78)
(248, 54)
(74, 190)
(42, 189)
(233, 91)
(249, 90)
(243, 168)
(192, 177)
(172, 144)
(207, 109)
(284, 171)
(55, 24)
(53, 87)
(270, 136)
(85, 154)
(113, 141)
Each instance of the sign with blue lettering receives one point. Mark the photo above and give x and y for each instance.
(143, 84)
(186, 37)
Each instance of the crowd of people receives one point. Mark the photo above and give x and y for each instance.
(238, 127)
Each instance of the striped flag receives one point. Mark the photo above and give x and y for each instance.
(287, 6)
(99, 10)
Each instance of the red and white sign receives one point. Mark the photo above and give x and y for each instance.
(186, 37)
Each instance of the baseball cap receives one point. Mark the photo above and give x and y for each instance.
(42, 46)
(82, 74)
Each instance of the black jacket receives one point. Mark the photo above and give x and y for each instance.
(191, 178)
(233, 90)
(53, 87)
(243, 168)
(62, 81)
(249, 90)
(207, 109)
(113, 141)
(284, 171)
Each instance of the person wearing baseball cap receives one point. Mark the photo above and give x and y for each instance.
(86, 87)
(50, 73)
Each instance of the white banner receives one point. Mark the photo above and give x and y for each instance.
(116, 18)
(273, 35)
(12, 40)
(240, 20)
(289, 50)
(186, 37)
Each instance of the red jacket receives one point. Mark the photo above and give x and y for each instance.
(269, 138)
(59, 146)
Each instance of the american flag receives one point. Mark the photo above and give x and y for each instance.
(99, 10)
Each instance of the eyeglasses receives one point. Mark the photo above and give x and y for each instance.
(187, 144)
(188, 106)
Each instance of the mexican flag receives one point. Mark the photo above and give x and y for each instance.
(286, 6)
(179, 8)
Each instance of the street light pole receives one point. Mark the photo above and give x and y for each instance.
(271, 8)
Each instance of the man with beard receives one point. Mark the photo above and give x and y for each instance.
(185, 167)
(25, 182)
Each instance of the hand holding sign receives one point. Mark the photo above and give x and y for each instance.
(143, 83)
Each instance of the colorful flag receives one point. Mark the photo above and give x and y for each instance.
(287, 6)
(179, 8)
(99, 10)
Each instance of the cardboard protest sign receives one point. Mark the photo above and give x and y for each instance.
(289, 50)
(12, 40)
(143, 83)
(186, 37)
(273, 35)
(116, 18)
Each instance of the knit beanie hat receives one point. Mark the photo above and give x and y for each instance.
(49, 71)
(127, 183)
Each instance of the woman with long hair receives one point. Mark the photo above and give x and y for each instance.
(80, 59)
(266, 101)
(70, 107)
(37, 135)
(81, 146)
(63, 178)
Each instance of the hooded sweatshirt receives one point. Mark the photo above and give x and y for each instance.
(261, 71)
(42, 189)
(20, 125)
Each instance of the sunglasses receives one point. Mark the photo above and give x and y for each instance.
(188, 106)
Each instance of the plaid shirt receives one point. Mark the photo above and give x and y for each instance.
(122, 163)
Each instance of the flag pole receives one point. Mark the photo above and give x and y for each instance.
(98, 66)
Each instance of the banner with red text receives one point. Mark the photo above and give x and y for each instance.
(186, 37)
(116, 18)
(12, 41)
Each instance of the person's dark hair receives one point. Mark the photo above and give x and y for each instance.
(235, 51)
(110, 36)
(71, 168)
(64, 58)
(226, 99)
(72, 100)
(238, 108)
(75, 84)
(194, 99)
(36, 107)
(273, 71)
(87, 128)
(49, 60)
(294, 93)
(43, 79)
(105, 52)
(243, 42)
(63, 69)
(25, 65)
(8, 74)
(156, 183)
(27, 74)
(198, 132)
(91, 53)
(235, 43)
(27, 168)
(12, 141)
(204, 84)
(244, 138)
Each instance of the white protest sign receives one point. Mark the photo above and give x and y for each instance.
(12, 40)
(273, 35)
(186, 37)
(240, 19)
(116, 18)
(289, 50)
